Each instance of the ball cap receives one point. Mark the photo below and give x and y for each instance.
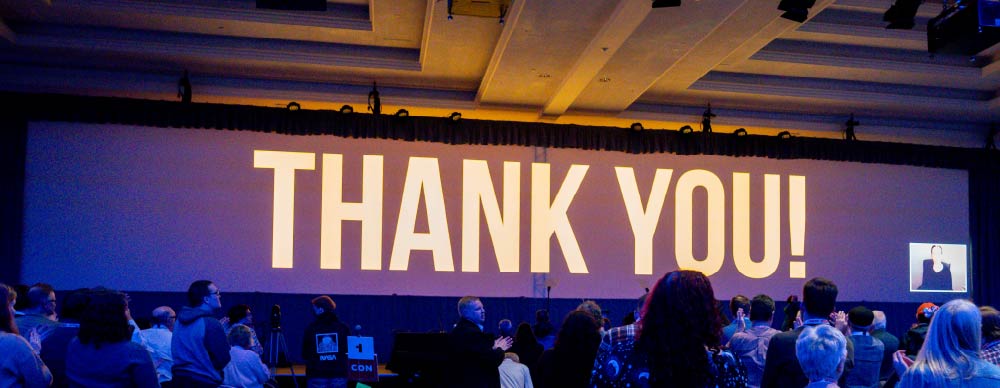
(922, 310)
(860, 316)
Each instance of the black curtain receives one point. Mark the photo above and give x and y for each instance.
(13, 143)
(984, 225)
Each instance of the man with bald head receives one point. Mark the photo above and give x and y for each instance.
(475, 355)
(890, 341)
(157, 341)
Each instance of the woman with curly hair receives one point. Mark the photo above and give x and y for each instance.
(568, 363)
(102, 354)
(19, 365)
(676, 344)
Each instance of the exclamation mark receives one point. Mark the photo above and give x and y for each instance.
(797, 224)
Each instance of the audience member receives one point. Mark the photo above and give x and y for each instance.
(475, 356)
(158, 338)
(737, 303)
(950, 354)
(591, 307)
(782, 369)
(822, 352)
(624, 333)
(890, 343)
(526, 346)
(914, 338)
(55, 344)
(242, 315)
(991, 334)
(21, 303)
(505, 328)
(513, 374)
(103, 354)
(569, 362)
(20, 366)
(677, 342)
(544, 331)
(868, 350)
(245, 369)
(792, 313)
(324, 346)
(199, 345)
(751, 345)
(40, 315)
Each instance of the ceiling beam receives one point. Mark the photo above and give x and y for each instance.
(510, 26)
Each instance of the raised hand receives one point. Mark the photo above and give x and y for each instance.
(503, 343)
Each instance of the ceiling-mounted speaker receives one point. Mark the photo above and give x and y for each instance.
(293, 5)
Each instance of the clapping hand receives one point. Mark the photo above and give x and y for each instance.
(840, 322)
(901, 362)
(503, 343)
(741, 323)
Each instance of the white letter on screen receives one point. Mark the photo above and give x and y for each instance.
(477, 189)
(741, 226)
(643, 221)
(684, 239)
(335, 211)
(284, 165)
(424, 175)
(547, 218)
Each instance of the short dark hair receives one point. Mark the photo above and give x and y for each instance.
(738, 302)
(324, 302)
(197, 292)
(38, 294)
(466, 303)
(103, 321)
(237, 313)
(819, 297)
(991, 323)
(74, 304)
(761, 308)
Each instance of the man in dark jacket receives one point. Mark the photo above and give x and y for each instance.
(475, 355)
(324, 346)
(199, 346)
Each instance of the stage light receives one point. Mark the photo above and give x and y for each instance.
(374, 102)
(686, 130)
(402, 113)
(184, 88)
(740, 132)
(706, 119)
(636, 127)
(293, 106)
(455, 116)
(346, 109)
(796, 10)
(784, 135)
(666, 3)
(849, 128)
(991, 143)
(901, 15)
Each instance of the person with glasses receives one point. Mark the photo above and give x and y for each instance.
(157, 341)
(40, 316)
(199, 346)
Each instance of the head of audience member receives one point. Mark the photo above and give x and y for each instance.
(819, 298)
(42, 300)
(165, 317)
(240, 314)
(879, 322)
(761, 308)
(205, 295)
(638, 307)
(860, 318)
(104, 320)
(926, 311)
(738, 302)
(505, 328)
(593, 309)
(579, 335)
(991, 324)
(822, 351)
(73, 305)
(240, 335)
(679, 320)
(21, 303)
(524, 334)
(323, 304)
(950, 348)
(512, 356)
(9, 296)
(471, 308)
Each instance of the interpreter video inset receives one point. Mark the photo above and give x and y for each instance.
(936, 267)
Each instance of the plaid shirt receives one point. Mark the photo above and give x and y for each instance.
(991, 352)
(618, 335)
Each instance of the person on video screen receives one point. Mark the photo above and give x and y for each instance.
(937, 272)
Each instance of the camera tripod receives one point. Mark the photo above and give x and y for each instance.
(276, 347)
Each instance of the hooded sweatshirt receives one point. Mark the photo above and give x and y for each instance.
(199, 346)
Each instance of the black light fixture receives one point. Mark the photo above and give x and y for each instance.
(184, 88)
(455, 116)
(666, 3)
(740, 132)
(796, 10)
(374, 102)
(901, 15)
(686, 130)
(784, 135)
(293, 106)
(347, 109)
(402, 113)
(636, 127)
(706, 119)
(849, 128)
(991, 137)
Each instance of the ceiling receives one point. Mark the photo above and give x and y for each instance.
(593, 62)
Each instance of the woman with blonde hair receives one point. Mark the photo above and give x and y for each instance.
(950, 354)
(19, 366)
